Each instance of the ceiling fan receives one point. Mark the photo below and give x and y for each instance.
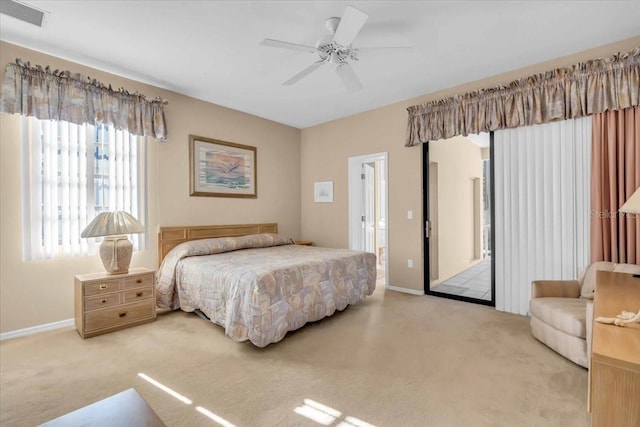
(334, 49)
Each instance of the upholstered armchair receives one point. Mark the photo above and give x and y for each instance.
(562, 311)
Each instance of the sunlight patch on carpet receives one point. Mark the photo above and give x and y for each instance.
(214, 417)
(204, 411)
(354, 422)
(164, 388)
(328, 416)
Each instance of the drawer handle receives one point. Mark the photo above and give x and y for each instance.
(103, 286)
(103, 301)
(123, 314)
(138, 294)
(139, 281)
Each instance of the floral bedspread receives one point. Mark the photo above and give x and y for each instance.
(259, 287)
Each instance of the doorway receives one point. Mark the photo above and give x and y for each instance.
(368, 209)
(458, 214)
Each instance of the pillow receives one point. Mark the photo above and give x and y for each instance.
(166, 274)
(589, 277)
(217, 245)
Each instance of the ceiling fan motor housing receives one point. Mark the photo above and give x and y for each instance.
(332, 52)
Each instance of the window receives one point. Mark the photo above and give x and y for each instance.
(71, 174)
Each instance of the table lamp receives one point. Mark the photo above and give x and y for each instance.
(116, 249)
(632, 205)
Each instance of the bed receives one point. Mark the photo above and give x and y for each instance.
(255, 283)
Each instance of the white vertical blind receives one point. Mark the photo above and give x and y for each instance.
(542, 176)
(69, 178)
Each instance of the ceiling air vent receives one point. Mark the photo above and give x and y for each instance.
(22, 12)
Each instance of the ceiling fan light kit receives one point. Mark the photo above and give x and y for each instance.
(335, 50)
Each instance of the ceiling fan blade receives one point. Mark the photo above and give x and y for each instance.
(385, 48)
(348, 77)
(350, 24)
(310, 69)
(287, 45)
(368, 52)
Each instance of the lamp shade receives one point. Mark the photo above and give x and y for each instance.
(111, 224)
(632, 205)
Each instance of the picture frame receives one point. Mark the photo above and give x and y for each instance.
(323, 192)
(221, 168)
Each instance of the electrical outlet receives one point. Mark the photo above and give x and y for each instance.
(409, 214)
(410, 263)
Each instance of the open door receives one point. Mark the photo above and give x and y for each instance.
(368, 208)
(369, 217)
(458, 215)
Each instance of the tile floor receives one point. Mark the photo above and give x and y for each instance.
(474, 282)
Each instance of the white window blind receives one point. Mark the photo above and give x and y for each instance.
(71, 174)
(542, 207)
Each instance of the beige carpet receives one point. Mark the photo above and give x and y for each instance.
(393, 360)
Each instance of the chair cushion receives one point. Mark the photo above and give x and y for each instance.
(565, 314)
(573, 348)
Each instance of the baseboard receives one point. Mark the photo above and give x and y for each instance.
(35, 329)
(71, 322)
(405, 290)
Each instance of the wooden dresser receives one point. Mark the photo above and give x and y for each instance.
(109, 302)
(614, 377)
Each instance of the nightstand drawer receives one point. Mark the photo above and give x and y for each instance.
(137, 295)
(101, 301)
(143, 280)
(101, 287)
(106, 303)
(117, 316)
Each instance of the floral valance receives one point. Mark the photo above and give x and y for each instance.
(61, 95)
(565, 93)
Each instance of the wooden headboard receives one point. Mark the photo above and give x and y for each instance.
(170, 237)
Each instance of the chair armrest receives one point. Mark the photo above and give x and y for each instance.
(555, 288)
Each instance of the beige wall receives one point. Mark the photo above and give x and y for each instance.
(326, 148)
(289, 162)
(35, 293)
(459, 162)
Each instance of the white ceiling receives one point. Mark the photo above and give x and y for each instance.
(210, 49)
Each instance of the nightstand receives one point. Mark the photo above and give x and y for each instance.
(304, 242)
(110, 302)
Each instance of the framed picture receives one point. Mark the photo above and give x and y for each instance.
(323, 192)
(221, 169)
